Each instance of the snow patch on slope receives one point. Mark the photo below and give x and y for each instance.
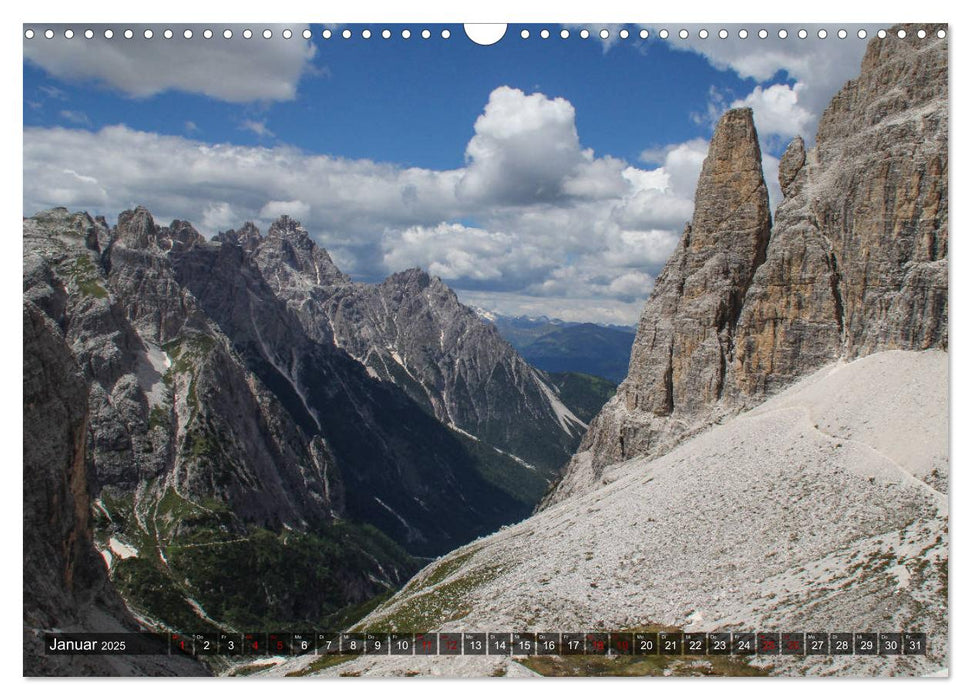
(121, 549)
(152, 365)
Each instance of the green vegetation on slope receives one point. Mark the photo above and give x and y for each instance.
(287, 580)
(197, 556)
(445, 602)
(651, 665)
(85, 276)
(641, 666)
(320, 663)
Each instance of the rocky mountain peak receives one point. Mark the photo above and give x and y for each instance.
(411, 331)
(136, 228)
(689, 320)
(285, 227)
(791, 163)
(59, 221)
(854, 263)
(414, 277)
(288, 246)
(180, 235)
(896, 74)
(731, 196)
(248, 237)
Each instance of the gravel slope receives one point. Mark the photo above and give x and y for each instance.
(820, 510)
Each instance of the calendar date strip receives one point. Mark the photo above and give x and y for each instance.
(492, 643)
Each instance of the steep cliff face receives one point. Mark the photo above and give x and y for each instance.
(858, 258)
(66, 583)
(854, 263)
(684, 339)
(681, 360)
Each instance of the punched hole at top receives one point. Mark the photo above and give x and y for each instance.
(485, 34)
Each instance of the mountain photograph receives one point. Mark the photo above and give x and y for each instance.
(316, 384)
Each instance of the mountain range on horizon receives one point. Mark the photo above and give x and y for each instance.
(554, 345)
(528, 320)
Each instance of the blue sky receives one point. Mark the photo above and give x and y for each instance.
(534, 176)
(635, 95)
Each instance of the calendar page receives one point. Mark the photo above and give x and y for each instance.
(522, 350)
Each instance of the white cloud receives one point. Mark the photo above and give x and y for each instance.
(75, 117)
(631, 285)
(681, 164)
(52, 92)
(218, 216)
(566, 308)
(556, 223)
(526, 149)
(233, 70)
(452, 251)
(777, 111)
(819, 68)
(770, 170)
(257, 127)
(294, 208)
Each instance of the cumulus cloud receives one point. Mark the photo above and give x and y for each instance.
(818, 68)
(777, 111)
(294, 208)
(233, 70)
(218, 216)
(523, 148)
(681, 164)
(630, 285)
(457, 252)
(554, 224)
(526, 149)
